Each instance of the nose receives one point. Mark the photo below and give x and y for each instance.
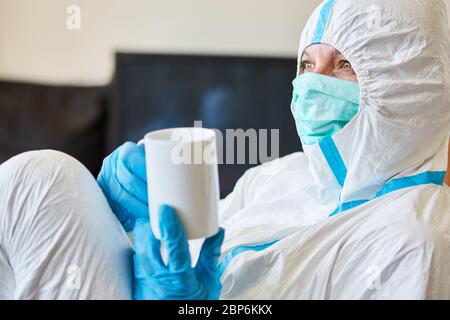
(324, 69)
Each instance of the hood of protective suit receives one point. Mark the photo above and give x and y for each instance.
(400, 51)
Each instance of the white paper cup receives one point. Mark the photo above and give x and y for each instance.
(182, 172)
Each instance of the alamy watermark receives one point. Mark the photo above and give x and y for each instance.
(235, 146)
(374, 19)
(73, 21)
(73, 280)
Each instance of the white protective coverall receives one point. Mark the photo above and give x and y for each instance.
(362, 215)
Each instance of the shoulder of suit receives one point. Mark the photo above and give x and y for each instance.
(292, 162)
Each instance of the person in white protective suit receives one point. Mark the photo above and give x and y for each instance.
(362, 213)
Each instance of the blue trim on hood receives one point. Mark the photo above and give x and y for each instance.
(428, 177)
(334, 159)
(324, 16)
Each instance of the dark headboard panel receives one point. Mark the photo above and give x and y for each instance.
(65, 118)
(153, 91)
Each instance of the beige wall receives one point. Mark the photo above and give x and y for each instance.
(35, 44)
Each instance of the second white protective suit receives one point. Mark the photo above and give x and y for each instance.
(364, 213)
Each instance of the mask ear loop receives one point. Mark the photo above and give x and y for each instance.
(298, 73)
(294, 96)
(292, 106)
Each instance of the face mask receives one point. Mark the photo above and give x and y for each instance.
(322, 105)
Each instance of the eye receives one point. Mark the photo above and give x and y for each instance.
(307, 65)
(345, 64)
(345, 67)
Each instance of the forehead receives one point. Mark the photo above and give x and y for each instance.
(318, 50)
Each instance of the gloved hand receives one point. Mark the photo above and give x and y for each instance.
(153, 280)
(123, 180)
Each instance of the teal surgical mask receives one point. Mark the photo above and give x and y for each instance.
(322, 105)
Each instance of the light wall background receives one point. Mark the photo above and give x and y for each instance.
(36, 45)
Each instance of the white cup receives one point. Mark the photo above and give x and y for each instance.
(182, 172)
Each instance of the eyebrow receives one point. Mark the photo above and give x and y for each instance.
(305, 54)
(336, 53)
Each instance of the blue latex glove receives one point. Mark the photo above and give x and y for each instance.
(153, 280)
(123, 180)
